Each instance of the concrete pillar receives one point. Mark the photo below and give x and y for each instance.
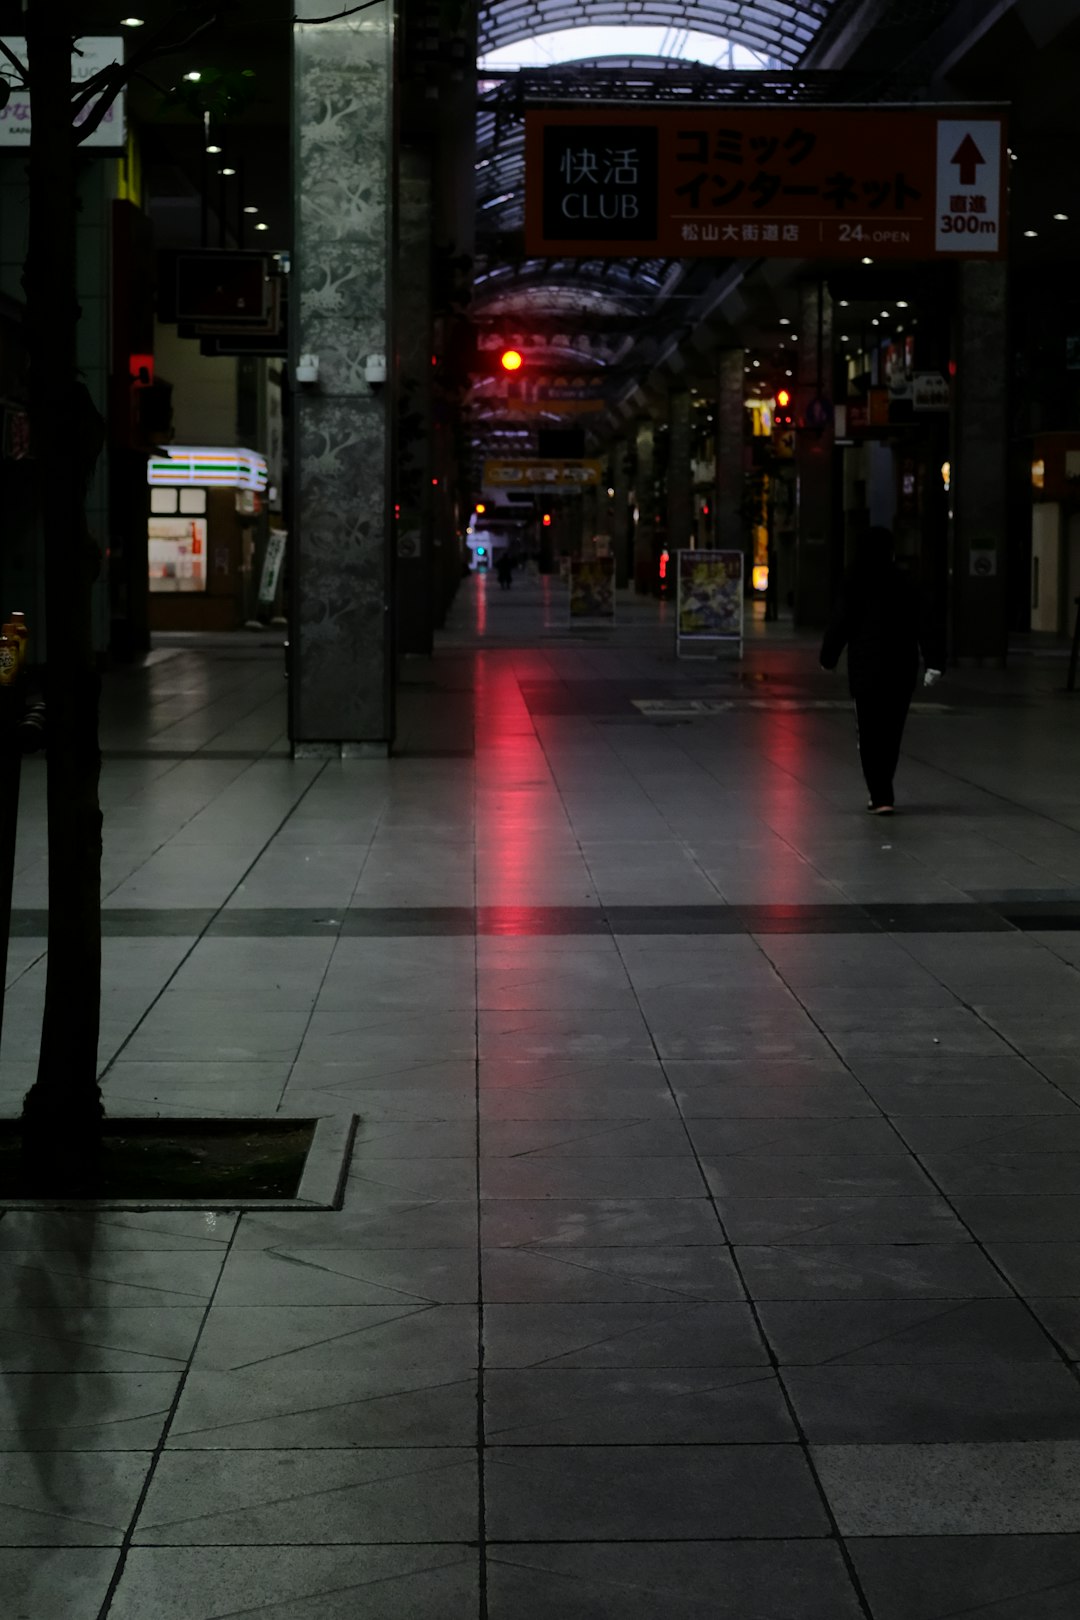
(342, 687)
(645, 493)
(620, 511)
(680, 476)
(980, 462)
(729, 524)
(415, 585)
(590, 518)
(818, 554)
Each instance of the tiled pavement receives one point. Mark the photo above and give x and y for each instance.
(711, 1245)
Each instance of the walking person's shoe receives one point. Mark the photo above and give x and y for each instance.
(880, 809)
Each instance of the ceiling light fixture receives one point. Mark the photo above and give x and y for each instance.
(901, 303)
(193, 77)
(784, 321)
(226, 171)
(132, 22)
(843, 303)
(213, 150)
(1031, 233)
(262, 226)
(867, 260)
(1061, 216)
(251, 209)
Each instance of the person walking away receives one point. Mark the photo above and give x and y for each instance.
(504, 568)
(880, 620)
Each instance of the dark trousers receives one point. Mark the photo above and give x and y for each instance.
(880, 712)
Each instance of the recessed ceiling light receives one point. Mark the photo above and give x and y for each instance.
(867, 260)
(875, 321)
(193, 77)
(251, 209)
(884, 314)
(784, 321)
(1031, 233)
(844, 338)
(132, 22)
(755, 362)
(788, 374)
(226, 171)
(1061, 216)
(843, 303)
(794, 337)
(213, 150)
(901, 303)
(262, 226)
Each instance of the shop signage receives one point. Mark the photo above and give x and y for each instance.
(555, 396)
(271, 568)
(710, 602)
(930, 391)
(779, 182)
(592, 592)
(95, 53)
(537, 474)
(226, 469)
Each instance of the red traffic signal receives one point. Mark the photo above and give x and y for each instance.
(511, 360)
(783, 415)
(547, 520)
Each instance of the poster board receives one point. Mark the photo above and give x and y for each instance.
(709, 605)
(592, 592)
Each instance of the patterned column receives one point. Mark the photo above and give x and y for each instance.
(620, 510)
(980, 462)
(342, 690)
(680, 480)
(645, 494)
(729, 526)
(415, 629)
(818, 550)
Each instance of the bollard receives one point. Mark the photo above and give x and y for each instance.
(1070, 684)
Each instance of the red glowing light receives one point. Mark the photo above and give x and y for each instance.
(547, 520)
(512, 360)
(664, 558)
(783, 397)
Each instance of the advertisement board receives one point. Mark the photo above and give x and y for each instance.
(592, 592)
(709, 606)
(95, 52)
(523, 473)
(765, 182)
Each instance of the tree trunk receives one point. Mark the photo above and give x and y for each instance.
(63, 1112)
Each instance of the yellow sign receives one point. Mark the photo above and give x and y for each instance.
(536, 474)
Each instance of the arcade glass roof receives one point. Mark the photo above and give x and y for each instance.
(775, 29)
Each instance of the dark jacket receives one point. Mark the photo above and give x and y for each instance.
(880, 620)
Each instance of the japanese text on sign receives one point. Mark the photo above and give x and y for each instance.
(729, 181)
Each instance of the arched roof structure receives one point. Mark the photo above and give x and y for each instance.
(568, 296)
(780, 29)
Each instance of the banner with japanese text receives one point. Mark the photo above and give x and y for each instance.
(592, 591)
(783, 181)
(710, 600)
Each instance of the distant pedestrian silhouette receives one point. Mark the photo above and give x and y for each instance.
(881, 622)
(504, 568)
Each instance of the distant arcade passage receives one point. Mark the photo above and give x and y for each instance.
(765, 182)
